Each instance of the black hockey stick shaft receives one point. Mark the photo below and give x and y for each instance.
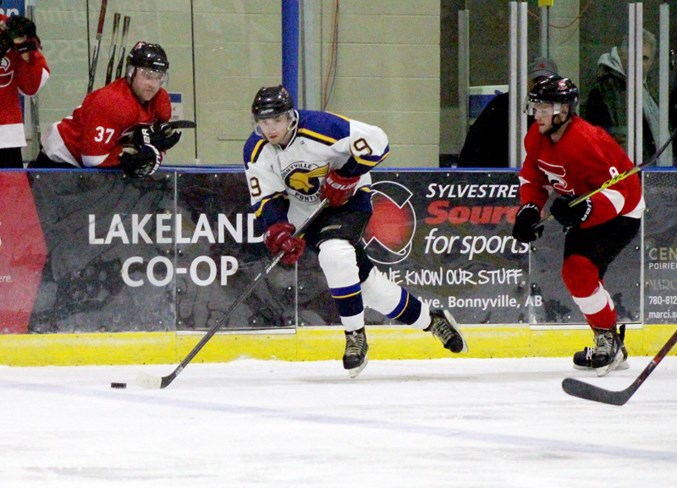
(587, 391)
(149, 381)
(113, 47)
(182, 124)
(97, 45)
(619, 177)
(123, 46)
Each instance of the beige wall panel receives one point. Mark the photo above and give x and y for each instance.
(389, 7)
(389, 29)
(238, 6)
(402, 61)
(416, 156)
(386, 94)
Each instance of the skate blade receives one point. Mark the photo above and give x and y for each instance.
(615, 364)
(620, 367)
(355, 371)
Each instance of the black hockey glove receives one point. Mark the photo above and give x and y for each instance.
(162, 135)
(18, 26)
(140, 162)
(525, 228)
(570, 216)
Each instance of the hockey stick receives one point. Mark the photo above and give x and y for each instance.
(97, 45)
(617, 178)
(182, 124)
(113, 47)
(148, 381)
(123, 48)
(128, 135)
(587, 391)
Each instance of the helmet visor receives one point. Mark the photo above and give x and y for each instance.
(540, 108)
(152, 75)
(288, 120)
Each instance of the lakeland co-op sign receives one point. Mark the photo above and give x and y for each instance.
(169, 229)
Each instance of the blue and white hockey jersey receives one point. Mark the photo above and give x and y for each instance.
(284, 182)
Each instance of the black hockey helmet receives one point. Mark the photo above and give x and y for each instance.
(271, 101)
(146, 55)
(556, 90)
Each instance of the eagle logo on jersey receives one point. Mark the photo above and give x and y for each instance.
(390, 232)
(304, 179)
(556, 175)
(5, 75)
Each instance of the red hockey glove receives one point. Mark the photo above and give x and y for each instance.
(570, 216)
(338, 189)
(527, 217)
(280, 237)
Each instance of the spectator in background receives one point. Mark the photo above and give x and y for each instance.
(606, 105)
(23, 71)
(486, 144)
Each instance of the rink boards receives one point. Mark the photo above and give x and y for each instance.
(98, 269)
(307, 344)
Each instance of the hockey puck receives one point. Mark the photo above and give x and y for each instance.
(118, 385)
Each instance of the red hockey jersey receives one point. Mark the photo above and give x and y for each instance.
(580, 161)
(89, 138)
(18, 76)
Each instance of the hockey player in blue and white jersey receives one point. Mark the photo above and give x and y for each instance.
(293, 160)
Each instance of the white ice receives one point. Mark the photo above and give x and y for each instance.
(434, 423)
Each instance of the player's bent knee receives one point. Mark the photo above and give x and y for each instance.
(338, 262)
(580, 275)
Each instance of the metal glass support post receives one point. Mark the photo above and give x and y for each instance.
(463, 71)
(630, 84)
(512, 90)
(664, 81)
(639, 83)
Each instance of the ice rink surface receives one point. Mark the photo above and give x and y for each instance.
(433, 423)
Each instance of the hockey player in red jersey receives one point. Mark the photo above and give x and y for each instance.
(572, 157)
(294, 160)
(23, 70)
(122, 124)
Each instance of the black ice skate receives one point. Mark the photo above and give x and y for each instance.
(583, 359)
(444, 327)
(355, 357)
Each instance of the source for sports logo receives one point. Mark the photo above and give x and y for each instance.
(389, 234)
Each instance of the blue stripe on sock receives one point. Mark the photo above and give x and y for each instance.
(348, 300)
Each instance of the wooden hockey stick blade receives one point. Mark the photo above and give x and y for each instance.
(587, 391)
(154, 382)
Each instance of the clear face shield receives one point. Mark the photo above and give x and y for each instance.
(541, 109)
(147, 74)
(285, 121)
(153, 75)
